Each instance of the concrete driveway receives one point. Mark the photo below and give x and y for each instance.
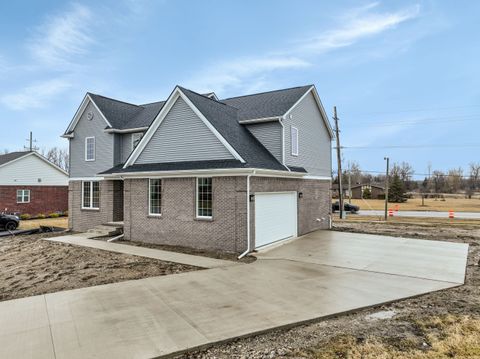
(319, 275)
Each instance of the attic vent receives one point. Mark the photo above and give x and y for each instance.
(39, 180)
(90, 116)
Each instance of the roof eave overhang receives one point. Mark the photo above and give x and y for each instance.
(206, 172)
(126, 130)
(260, 120)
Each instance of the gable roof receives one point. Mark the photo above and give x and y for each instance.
(266, 104)
(9, 157)
(14, 156)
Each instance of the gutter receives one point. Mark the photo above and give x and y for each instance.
(127, 130)
(259, 120)
(248, 250)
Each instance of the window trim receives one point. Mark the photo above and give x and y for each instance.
(292, 129)
(150, 197)
(197, 197)
(86, 148)
(23, 196)
(91, 196)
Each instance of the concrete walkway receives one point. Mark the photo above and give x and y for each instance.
(198, 261)
(319, 275)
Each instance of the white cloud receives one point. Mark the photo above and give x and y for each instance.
(354, 25)
(63, 37)
(36, 95)
(235, 73)
(358, 24)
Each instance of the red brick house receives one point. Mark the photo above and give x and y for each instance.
(30, 184)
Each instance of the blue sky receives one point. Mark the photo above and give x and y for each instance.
(400, 73)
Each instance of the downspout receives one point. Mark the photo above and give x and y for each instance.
(248, 218)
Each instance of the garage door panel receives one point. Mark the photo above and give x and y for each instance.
(275, 217)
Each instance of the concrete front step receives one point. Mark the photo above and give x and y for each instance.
(104, 231)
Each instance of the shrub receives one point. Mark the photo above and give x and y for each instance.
(25, 216)
(54, 215)
(367, 193)
(65, 214)
(41, 216)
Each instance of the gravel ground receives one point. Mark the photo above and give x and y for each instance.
(407, 334)
(31, 266)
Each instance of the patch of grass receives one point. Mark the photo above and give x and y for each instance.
(61, 222)
(447, 336)
(430, 204)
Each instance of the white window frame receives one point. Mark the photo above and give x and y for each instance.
(197, 198)
(23, 192)
(86, 149)
(134, 139)
(91, 195)
(293, 130)
(150, 197)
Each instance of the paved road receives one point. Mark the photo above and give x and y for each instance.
(321, 274)
(425, 214)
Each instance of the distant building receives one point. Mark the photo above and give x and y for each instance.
(30, 184)
(376, 191)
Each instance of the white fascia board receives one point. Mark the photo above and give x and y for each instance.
(153, 128)
(127, 130)
(260, 120)
(161, 116)
(322, 178)
(72, 179)
(206, 173)
(313, 90)
(50, 163)
(79, 113)
(212, 128)
(17, 159)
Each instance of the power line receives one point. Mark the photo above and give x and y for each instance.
(411, 110)
(410, 146)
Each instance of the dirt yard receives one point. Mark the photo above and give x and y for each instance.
(61, 222)
(31, 266)
(415, 204)
(444, 324)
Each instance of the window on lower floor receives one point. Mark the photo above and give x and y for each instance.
(23, 196)
(204, 197)
(155, 197)
(91, 194)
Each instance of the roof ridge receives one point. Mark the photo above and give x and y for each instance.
(114, 99)
(151, 103)
(264, 92)
(207, 98)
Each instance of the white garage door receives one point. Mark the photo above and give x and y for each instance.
(275, 217)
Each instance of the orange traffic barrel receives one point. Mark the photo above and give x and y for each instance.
(390, 212)
(451, 214)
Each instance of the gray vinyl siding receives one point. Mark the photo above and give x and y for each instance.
(117, 149)
(270, 135)
(314, 143)
(183, 136)
(104, 156)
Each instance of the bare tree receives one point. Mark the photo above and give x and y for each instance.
(475, 175)
(455, 180)
(58, 156)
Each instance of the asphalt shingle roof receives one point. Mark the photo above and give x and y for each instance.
(225, 115)
(9, 157)
(266, 104)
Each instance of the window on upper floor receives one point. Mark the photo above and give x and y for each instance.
(90, 195)
(90, 149)
(136, 137)
(155, 197)
(23, 196)
(294, 141)
(204, 197)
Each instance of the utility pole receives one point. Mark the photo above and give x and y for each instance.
(339, 161)
(386, 187)
(349, 184)
(31, 141)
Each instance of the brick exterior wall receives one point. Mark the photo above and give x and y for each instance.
(43, 199)
(83, 219)
(177, 225)
(227, 230)
(315, 203)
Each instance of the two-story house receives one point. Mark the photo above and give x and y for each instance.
(230, 175)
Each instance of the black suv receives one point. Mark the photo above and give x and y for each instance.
(346, 206)
(9, 222)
